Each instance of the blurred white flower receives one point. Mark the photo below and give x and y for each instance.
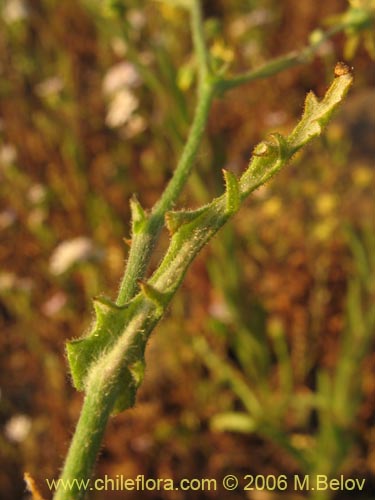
(123, 74)
(49, 87)
(70, 252)
(54, 304)
(36, 218)
(7, 218)
(146, 57)
(119, 46)
(136, 125)
(136, 18)
(275, 118)
(218, 309)
(10, 281)
(7, 280)
(37, 193)
(14, 10)
(17, 428)
(242, 24)
(8, 154)
(121, 108)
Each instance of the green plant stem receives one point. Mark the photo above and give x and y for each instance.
(143, 243)
(279, 64)
(200, 47)
(87, 439)
(102, 390)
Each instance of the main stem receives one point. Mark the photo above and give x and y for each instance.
(86, 441)
(100, 398)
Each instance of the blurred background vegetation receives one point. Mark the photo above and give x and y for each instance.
(265, 362)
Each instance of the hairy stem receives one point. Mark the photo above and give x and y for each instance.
(102, 390)
(86, 441)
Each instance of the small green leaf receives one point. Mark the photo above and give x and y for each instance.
(261, 149)
(175, 219)
(139, 217)
(270, 157)
(137, 369)
(82, 352)
(280, 145)
(151, 293)
(317, 113)
(104, 305)
(126, 393)
(232, 193)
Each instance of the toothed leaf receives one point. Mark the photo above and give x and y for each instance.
(109, 321)
(175, 219)
(151, 293)
(317, 113)
(270, 157)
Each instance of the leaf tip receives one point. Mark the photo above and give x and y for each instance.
(103, 305)
(171, 222)
(175, 219)
(139, 216)
(152, 294)
(342, 68)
